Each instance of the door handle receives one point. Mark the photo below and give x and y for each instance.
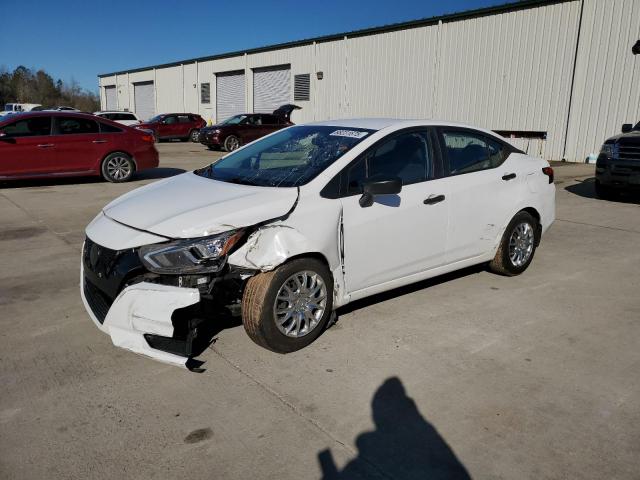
(45, 145)
(99, 141)
(509, 176)
(433, 199)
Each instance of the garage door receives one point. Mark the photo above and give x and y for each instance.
(111, 98)
(230, 98)
(271, 88)
(144, 100)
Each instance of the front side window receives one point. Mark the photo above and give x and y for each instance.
(470, 152)
(75, 125)
(408, 156)
(123, 116)
(170, 120)
(289, 158)
(29, 127)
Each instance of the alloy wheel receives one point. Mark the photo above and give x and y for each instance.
(300, 304)
(521, 244)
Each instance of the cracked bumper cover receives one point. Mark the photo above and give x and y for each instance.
(143, 308)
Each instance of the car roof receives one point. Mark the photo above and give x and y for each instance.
(113, 111)
(397, 123)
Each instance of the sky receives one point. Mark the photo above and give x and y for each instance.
(79, 39)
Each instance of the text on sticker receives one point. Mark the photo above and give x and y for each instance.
(349, 133)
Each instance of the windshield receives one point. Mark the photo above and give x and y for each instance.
(155, 119)
(235, 120)
(288, 158)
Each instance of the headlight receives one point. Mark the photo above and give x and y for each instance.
(611, 150)
(217, 130)
(196, 255)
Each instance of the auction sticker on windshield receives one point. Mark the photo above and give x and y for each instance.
(349, 133)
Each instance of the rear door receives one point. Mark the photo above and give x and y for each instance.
(184, 126)
(483, 190)
(78, 144)
(26, 147)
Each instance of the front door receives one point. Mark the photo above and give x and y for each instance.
(26, 147)
(399, 235)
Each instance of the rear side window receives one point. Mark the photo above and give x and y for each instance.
(408, 156)
(184, 119)
(470, 152)
(29, 127)
(106, 128)
(75, 125)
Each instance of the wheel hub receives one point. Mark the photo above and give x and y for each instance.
(300, 304)
(521, 244)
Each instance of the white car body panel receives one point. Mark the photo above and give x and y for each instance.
(199, 206)
(368, 250)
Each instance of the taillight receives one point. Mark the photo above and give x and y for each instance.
(548, 171)
(147, 138)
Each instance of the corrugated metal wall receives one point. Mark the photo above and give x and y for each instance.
(507, 71)
(606, 90)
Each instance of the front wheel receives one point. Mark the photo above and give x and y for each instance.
(231, 143)
(118, 167)
(517, 246)
(288, 308)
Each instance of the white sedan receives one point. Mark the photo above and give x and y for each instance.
(305, 220)
(125, 118)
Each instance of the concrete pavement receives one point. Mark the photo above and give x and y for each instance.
(471, 374)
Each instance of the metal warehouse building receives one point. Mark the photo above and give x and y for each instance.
(557, 76)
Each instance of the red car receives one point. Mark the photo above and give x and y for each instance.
(183, 126)
(240, 129)
(55, 144)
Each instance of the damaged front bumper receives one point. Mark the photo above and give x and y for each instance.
(162, 317)
(140, 314)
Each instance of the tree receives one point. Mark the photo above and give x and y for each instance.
(24, 86)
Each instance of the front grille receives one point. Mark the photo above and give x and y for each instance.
(629, 152)
(98, 301)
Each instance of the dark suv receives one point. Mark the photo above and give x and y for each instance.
(183, 126)
(618, 165)
(244, 128)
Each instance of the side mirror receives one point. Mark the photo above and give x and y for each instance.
(627, 127)
(388, 186)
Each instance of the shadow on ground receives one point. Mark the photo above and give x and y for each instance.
(403, 445)
(586, 189)
(150, 174)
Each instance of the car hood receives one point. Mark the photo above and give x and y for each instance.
(188, 206)
(632, 137)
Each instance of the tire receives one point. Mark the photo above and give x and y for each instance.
(603, 192)
(193, 135)
(259, 307)
(231, 143)
(508, 261)
(118, 167)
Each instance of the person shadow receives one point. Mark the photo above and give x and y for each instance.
(403, 445)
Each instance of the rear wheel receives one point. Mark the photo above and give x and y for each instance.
(118, 167)
(517, 246)
(195, 133)
(231, 143)
(286, 309)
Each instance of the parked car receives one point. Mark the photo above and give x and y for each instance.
(618, 165)
(55, 144)
(183, 126)
(238, 130)
(304, 221)
(125, 118)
